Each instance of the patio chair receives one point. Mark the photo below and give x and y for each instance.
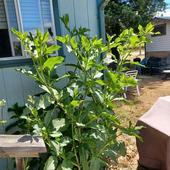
(132, 73)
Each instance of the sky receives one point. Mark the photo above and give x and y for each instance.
(167, 12)
(167, 1)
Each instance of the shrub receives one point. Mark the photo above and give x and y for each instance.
(78, 121)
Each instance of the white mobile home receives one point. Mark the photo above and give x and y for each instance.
(160, 46)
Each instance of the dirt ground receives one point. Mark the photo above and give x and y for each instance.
(151, 88)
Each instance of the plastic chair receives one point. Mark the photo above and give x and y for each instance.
(132, 73)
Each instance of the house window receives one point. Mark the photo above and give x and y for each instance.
(161, 29)
(25, 16)
(5, 48)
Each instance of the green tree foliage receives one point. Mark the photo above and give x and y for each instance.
(78, 121)
(122, 14)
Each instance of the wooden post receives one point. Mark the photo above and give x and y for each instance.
(20, 147)
(19, 163)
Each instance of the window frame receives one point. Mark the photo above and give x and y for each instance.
(23, 58)
(162, 33)
(9, 33)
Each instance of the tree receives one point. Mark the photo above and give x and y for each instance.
(122, 14)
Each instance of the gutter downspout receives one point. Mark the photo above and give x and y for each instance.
(57, 23)
(101, 22)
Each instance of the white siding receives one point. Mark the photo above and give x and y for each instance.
(81, 13)
(14, 88)
(93, 17)
(160, 43)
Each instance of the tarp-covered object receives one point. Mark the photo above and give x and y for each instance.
(154, 151)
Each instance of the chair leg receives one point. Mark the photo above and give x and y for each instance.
(138, 92)
(124, 95)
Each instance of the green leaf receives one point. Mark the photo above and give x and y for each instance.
(41, 103)
(52, 62)
(65, 20)
(149, 27)
(134, 40)
(69, 48)
(97, 137)
(66, 165)
(110, 38)
(98, 74)
(70, 91)
(100, 82)
(73, 43)
(108, 59)
(110, 117)
(2, 103)
(85, 43)
(58, 123)
(83, 30)
(2, 122)
(141, 29)
(95, 164)
(48, 117)
(120, 148)
(50, 163)
(44, 101)
(56, 134)
(61, 39)
(52, 49)
(28, 73)
(99, 96)
(76, 103)
(84, 154)
(37, 130)
(56, 147)
(45, 37)
(80, 124)
(97, 42)
(65, 142)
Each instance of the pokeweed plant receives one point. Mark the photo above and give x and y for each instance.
(78, 121)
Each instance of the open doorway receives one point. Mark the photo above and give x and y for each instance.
(5, 47)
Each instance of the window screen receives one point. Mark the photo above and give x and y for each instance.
(5, 48)
(30, 13)
(161, 29)
(25, 16)
(12, 21)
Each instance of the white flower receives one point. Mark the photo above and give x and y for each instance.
(108, 59)
(30, 45)
(26, 40)
(69, 49)
(98, 75)
(35, 53)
